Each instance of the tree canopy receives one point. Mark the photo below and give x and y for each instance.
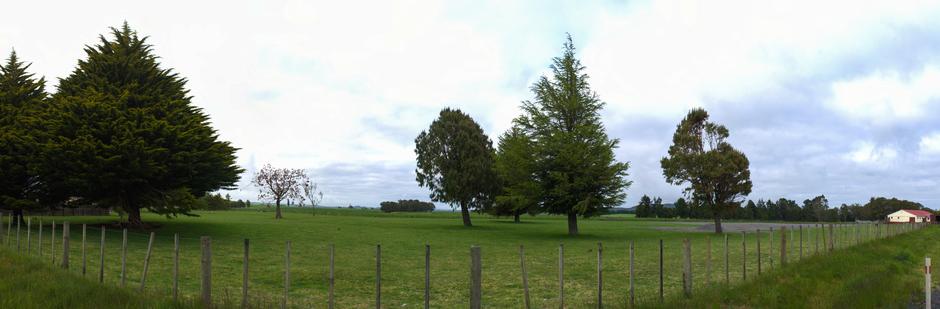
(455, 161)
(21, 99)
(717, 175)
(515, 167)
(128, 135)
(574, 163)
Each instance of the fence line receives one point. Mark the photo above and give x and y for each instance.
(839, 236)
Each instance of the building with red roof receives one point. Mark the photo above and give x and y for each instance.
(909, 216)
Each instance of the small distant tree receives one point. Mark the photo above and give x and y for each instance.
(682, 209)
(718, 175)
(644, 207)
(455, 160)
(278, 184)
(311, 192)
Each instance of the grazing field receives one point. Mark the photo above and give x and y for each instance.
(402, 236)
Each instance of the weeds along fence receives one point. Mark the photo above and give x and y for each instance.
(621, 276)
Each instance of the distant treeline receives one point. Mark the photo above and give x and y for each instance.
(218, 202)
(406, 206)
(816, 209)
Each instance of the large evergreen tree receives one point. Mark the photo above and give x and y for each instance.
(717, 175)
(574, 158)
(21, 99)
(514, 168)
(455, 160)
(129, 136)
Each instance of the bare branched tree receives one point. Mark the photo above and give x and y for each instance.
(311, 192)
(277, 184)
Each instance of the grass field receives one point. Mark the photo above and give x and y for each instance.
(403, 236)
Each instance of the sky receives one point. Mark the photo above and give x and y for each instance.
(839, 98)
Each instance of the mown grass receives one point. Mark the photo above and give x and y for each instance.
(881, 274)
(355, 233)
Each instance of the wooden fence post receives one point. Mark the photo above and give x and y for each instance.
(124, 258)
(206, 271)
(332, 278)
(708, 261)
(816, 234)
(783, 246)
(427, 276)
(476, 279)
(632, 296)
(101, 254)
(65, 244)
(2, 239)
(687, 268)
(18, 218)
(245, 264)
(758, 253)
(525, 276)
(831, 241)
(378, 276)
(9, 240)
(176, 266)
(40, 237)
(727, 263)
(29, 229)
(661, 299)
(801, 242)
(286, 276)
(600, 276)
(143, 277)
(770, 239)
(561, 275)
(52, 242)
(84, 259)
(744, 255)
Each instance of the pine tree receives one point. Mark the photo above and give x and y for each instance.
(574, 158)
(514, 168)
(129, 135)
(21, 135)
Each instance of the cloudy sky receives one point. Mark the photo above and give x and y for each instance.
(840, 98)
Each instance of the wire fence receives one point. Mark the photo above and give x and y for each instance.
(676, 269)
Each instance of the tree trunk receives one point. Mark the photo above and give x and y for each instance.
(465, 213)
(717, 223)
(572, 224)
(515, 217)
(133, 216)
(277, 209)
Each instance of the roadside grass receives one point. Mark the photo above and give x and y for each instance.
(356, 232)
(881, 274)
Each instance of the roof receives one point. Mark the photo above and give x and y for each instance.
(919, 213)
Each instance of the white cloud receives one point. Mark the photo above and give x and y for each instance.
(887, 97)
(877, 156)
(930, 144)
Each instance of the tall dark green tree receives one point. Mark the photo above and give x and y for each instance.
(456, 161)
(514, 168)
(682, 208)
(644, 208)
(21, 135)
(129, 136)
(718, 175)
(574, 158)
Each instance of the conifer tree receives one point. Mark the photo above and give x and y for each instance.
(130, 137)
(574, 158)
(21, 99)
(455, 162)
(514, 169)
